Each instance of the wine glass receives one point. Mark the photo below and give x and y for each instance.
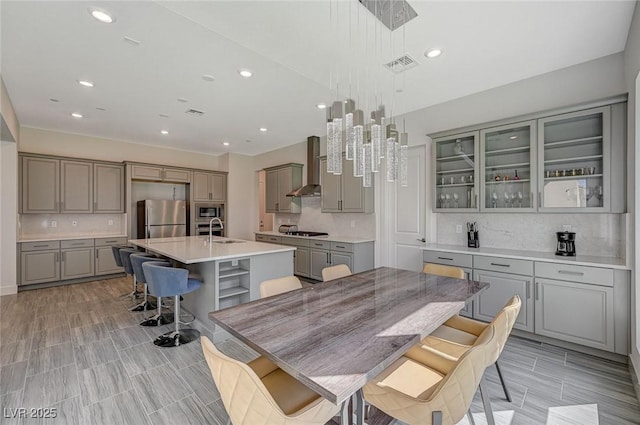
(513, 199)
(520, 198)
(447, 197)
(599, 194)
(494, 200)
(507, 199)
(455, 199)
(442, 200)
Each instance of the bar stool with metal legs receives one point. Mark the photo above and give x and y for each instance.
(115, 249)
(139, 275)
(125, 254)
(158, 319)
(165, 281)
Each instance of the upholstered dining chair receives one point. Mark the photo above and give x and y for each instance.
(269, 288)
(335, 272)
(458, 334)
(441, 270)
(426, 388)
(260, 393)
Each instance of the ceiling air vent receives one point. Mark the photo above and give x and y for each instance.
(401, 64)
(194, 112)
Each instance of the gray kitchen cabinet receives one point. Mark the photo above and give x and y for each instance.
(209, 186)
(76, 187)
(76, 263)
(301, 261)
(108, 188)
(40, 185)
(463, 261)
(160, 173)
(280, 181)
(104, 261)
(319, 260)
(344, 193)
(39, 266)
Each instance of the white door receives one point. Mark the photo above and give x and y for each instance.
(407, 212)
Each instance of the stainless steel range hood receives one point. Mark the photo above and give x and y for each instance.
(312, 188)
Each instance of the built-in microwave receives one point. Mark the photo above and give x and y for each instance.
(205, 212)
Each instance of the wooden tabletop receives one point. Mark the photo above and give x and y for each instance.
(336, 336)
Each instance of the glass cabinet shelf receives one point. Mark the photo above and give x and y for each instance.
(456, 171)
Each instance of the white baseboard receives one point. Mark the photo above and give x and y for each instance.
(634, 368)
(8, 290)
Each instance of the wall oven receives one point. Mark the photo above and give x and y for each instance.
(205, 212)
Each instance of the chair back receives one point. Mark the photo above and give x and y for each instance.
(503, 323)
(115, 249)
(164, 280)
(335, 272)
(446, 271)
(272, 287)
(136, 263)
(125, 256)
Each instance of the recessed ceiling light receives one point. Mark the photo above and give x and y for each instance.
(226, 143)
(245, 73)
(208, 77)
(263, 129)
(101, 15)
(513, 137)
(85, 83)
(321, 105)
(165, 132)
(76, 115)
(433, 53)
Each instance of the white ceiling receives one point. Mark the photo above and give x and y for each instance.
(298, 51)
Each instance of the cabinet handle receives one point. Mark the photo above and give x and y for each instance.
(571, 273)
(113, 241)
(340, 246)
(475, 200)
(77, 243)
(55, 257)
(445, 258)
(40, 246)
(317, 244)
(537, 291)
(531, 199)
(528, 289)
(64, 256)
(340, 205)
(501, 265)
(95, 206)
(97, 254)
(540, 199)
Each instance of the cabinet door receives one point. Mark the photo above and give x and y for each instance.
(575, 312)
(146, 172)
(355, 198)
(301, 266)
(502, 287)
(218, 184)
(200, 186)
(467, 311)
(341, 258)
(40, 185)
(285, 176)
(105, 263)
(455, 165)
(574, 152)
(508, 176)
(331, 192)
(319, 260)
(76, 187)
(176, 175)
(108, 188)
(76, 263)
(271, 191)
(39, 266)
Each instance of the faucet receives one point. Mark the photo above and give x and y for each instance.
(211, 227)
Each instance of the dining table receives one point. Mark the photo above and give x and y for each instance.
(337, 335)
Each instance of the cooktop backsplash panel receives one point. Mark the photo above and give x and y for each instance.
(596, 234)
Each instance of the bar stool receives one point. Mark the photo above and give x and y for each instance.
(158, 319)
(115, 249)
(125, 254)
(166, 281)
(139, 275)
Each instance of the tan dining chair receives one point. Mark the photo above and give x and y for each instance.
(458, 334)
(260, 393)
(446, 271)
(335, 272)
(426, 388)
(269, 288)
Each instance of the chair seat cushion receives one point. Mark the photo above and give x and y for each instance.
(290, 394)
(410, 378)
(454, 335)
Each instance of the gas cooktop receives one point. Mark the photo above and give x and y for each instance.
(305, 233)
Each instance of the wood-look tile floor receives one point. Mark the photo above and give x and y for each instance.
(78, 349)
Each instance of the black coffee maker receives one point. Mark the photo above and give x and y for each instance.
(566, 244)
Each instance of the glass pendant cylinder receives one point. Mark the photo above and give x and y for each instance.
(392, 161)
(349, 107)
(358, 129)
(368, 160)
(376, 142)
(337, 114)
(404, 159)
(330, 133)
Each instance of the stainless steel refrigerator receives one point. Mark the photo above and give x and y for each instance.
(161, 219)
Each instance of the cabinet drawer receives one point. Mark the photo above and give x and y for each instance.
(261, 238)
(294, 241)
(583, 274)
(173, 175)
(272, 239)
(37, 246)
(320, 244)
(77, 243)
(110, 241)
(341, 246)
(505, 265)
(448, 258)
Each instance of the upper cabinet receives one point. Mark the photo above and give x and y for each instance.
(209, 186)
(160, 174)
(456, 172)
(50, 185)
(281, 180)
(572, 162)
(344, 192)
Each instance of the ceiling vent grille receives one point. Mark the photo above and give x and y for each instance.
(194, 112)
(401, 64)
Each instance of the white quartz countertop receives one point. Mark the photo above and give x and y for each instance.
(330, 238)
(62, 237)
(197, 249)
(549, 257)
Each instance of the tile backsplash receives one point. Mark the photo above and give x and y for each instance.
(32, 226)
(312, 219)
(601, 235)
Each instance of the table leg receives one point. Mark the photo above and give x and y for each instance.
(359, 407)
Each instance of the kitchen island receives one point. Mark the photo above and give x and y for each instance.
(231, 269)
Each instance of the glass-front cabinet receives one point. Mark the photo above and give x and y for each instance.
(508, 174)
(456, 172)
(574, 161)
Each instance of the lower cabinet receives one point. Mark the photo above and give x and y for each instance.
(575, 312)
(319, 260)
(301, 261)
(39, 266)
(76, 263)
(105, 263)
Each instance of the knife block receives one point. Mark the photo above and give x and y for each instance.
(472, 240)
